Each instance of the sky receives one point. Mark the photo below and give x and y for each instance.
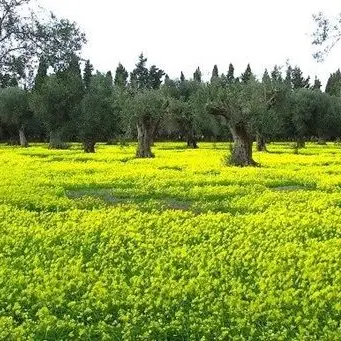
(180, 35)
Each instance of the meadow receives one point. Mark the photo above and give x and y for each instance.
(179, 247)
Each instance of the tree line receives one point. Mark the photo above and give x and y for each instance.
(65, 100)
(82, 105)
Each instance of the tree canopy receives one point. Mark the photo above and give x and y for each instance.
(27, 35)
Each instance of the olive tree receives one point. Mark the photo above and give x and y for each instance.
(185, 117)
(57, 101)
(314, 114)
(14, 110)
(98, 119)
(50, 105)
(269, 122)
(244, 106)
(145, 109)
(57, 105)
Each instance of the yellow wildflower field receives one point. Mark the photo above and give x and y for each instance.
(179, 247)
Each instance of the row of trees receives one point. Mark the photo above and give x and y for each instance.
(146, 104)
(59, 102)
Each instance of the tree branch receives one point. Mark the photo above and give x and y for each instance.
(216, 110)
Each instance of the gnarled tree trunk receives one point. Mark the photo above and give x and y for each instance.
(145, 133)
(300, 143)
(321, 141)
(261, 143)
(242, 147)
(191, 140)
(56, 141)
(13, 141)
(22, 137)
(89, 146)
(241, 154)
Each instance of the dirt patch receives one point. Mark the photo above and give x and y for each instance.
(290, 188)
(106, 196)
(177, 205)
(175, 168)
(103, 194)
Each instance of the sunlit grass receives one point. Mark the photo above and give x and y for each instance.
(179, 247)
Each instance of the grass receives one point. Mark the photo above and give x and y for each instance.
(179, 247)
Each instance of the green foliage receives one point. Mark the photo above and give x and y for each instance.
(7, 80)
(14, 108)
(187, 121)
(50, 103)
(87, 74)
(317, 84)
(315, 114)
(73, 67)
(333, 86)
(145, 105)
(62, 40)
(41, 73)
(266, 78)
(27, 35)
(73, 82)
(215, 74)
(155, 77)
(247, 75)
(57, 101)
(139, 78)
(288, 76)
(271, 122)
(197, 75)
(121, 76)
(297, 79)
(109, 78)
(98, 119)
(230, 74)
(276, 74)
(182, 77)
(143, 78)
(247, 103)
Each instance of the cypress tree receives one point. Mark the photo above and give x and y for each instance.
(333, 86)
(170, 85)
(266, 78)
(41, 74)
(197, 75)
(121, 76)
(87, 74)
(109, 78)
(215, 74)
(230, 74)
(182, 77)
(74, 66)
(288, 76)
(276, 74)
(223, 80)
(317, 84)
(155, 77)
(247, 75)
(297, 79)
(139, 78)
(73, 80)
